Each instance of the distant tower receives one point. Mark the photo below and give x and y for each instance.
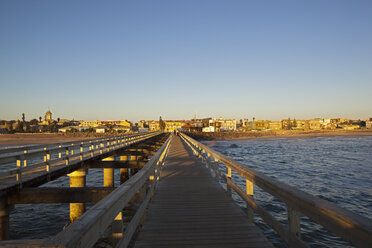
(48, 116)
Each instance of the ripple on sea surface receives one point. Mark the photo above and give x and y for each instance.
(337, 169)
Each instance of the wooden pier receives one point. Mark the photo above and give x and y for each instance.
(191, 209)
(170, 195)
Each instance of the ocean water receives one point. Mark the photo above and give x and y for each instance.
(338, 169)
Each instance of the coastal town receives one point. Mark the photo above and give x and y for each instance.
(206, 125)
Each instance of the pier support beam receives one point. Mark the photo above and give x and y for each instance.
(77, 179)
(124, 172)
(5, 210)
(108, 174)
(133, 170)
(108, 177)
(124, 175)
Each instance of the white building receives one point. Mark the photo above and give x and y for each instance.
(101, 129)
(226, 124)
(369, 124)
(209, 129)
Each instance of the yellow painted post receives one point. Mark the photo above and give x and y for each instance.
(25, 159)
(228, 176)
(59, 153)
(200, 153)
(19, 172)
(81, 151)
(67, 156)
(108, 174)
(249, 191)
(47, 159)
(77, 179)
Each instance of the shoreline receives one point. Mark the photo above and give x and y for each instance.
(278, 134)
(20, 139)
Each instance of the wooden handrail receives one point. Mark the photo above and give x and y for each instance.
(35, 147)
(55, 146)
(86, 230)
(67, 153)
(346, 224)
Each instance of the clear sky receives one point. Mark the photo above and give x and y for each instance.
(142, 59)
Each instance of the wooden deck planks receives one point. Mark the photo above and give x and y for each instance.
(190, 209)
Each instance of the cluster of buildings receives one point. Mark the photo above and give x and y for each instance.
(223, 125)
(312, 124)
(48, 124)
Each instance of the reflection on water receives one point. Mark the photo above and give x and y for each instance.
(337, 169)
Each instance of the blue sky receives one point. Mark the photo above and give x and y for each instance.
(142, 59)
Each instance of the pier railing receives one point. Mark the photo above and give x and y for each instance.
(18, 161)
(345, 224)
(95, 222)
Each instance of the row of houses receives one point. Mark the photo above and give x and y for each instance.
(223, 125)
(312, 124)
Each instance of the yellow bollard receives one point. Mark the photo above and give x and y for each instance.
(77, 179)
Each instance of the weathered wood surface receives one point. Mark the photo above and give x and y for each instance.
(190, 209)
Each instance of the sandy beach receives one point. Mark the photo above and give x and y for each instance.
(36, 138)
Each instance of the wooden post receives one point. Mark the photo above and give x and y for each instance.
(77, 179)
(59, 153)
(47, 159)
(5, 210)
(294, 221)
(228, 176)
(199, 154)
(108, 177)
(124, 173)
(207, 159)
(108, 174)
(117, 228)
(132, 170)
(81, 151)
(249, 191)
(217, 169)
(19, 172)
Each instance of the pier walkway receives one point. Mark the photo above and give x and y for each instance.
(190, 209)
